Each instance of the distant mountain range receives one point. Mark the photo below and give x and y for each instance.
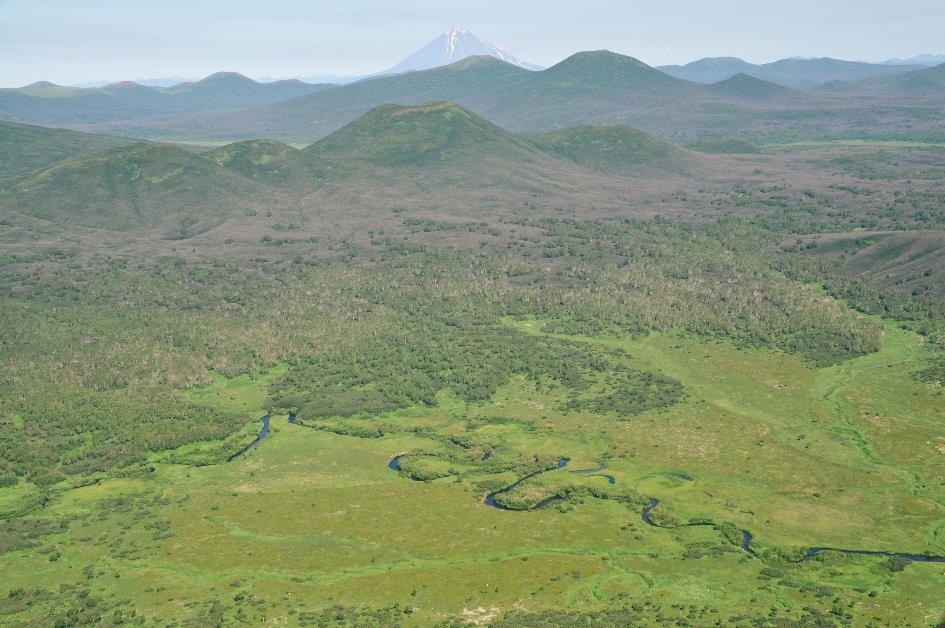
(711, 98)
(457, 43)
(454, 44)
(794, 73)
(46, 103)
(169, 81)
(926, 59)
(588, 88)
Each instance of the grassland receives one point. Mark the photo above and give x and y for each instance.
(846, 456)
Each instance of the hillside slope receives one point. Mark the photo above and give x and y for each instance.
(266, 161)
(617, 150)
(139, 188)
(910, 261)
(25, 149)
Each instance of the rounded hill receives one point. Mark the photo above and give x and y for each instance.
(136, 188)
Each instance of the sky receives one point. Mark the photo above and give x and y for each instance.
(75, 41)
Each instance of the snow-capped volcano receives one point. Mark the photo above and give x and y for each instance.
(454, 45)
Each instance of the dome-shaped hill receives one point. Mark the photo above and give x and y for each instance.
(124, 85)
(435, 133)
(443, 157)
(750, 88)
(264, 160)
(617, 150)
(141, 187)
(218, 80)
(609, 70)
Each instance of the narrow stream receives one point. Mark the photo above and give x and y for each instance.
(917, 558)
(812, 552)
(747, 537)
(263, 433)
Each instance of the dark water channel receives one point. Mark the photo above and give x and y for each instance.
(263, 433)
(747, 537)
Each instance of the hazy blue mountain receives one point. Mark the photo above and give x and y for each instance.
(710, 69)
(455, 44)
(795, 73)
(47, 104)
(923, 59)
(169, 81)
(598, 87)
(316, 79)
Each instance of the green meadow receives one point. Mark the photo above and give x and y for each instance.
(313, 518)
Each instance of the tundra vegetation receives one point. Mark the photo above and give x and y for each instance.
(530, 382)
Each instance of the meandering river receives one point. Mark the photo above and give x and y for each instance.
(747, 537)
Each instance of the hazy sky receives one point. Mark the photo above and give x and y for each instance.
(72, 41)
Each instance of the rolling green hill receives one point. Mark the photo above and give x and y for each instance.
(602, 69)
(25, 149)
(617, 150)
(426, 135)
(138, 188)
(455, 156)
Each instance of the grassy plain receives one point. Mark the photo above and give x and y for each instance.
(846, 456)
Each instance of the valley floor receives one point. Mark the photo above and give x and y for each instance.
(849, 456)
